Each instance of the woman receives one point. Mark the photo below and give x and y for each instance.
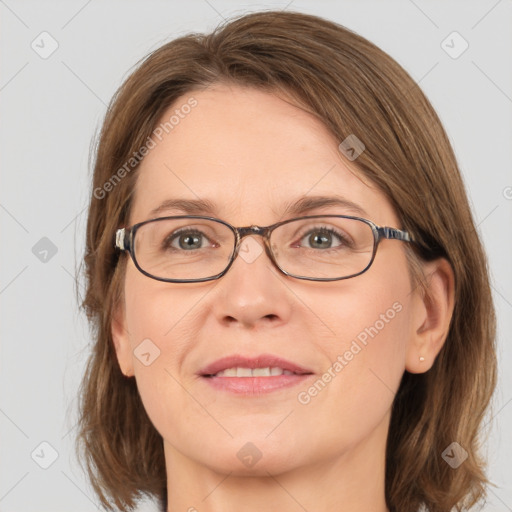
(290, 300)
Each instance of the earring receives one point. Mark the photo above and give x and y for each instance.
(422, 359)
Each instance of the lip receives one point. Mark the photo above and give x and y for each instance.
(261, 361)
(253, 385)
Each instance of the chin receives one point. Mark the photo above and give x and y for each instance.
(247, 454)
(250, 461)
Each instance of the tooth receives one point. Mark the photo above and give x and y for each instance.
(256, 372)
(261, 372)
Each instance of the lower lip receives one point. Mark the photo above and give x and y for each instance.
(255, 385)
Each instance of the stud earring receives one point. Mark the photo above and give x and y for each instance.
(422, 359)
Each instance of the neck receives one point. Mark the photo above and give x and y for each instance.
(352, 481)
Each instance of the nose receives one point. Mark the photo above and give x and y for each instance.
(252, 293)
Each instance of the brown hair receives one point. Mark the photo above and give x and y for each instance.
(354, 88)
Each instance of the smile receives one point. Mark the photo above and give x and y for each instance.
(253, 375)
(253, 372)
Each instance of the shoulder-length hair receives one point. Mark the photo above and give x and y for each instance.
(355, 89)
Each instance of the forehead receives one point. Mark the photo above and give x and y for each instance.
(250, 153)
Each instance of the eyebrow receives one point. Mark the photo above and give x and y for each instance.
(294, 208)
(186, 206)
(308, 203)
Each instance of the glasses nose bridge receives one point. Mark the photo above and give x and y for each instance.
(263, 231)
(252, 230)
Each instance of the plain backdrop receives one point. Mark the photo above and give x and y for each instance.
(61, 62)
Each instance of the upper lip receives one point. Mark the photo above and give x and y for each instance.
(261, 361)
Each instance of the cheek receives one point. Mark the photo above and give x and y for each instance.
(370, 311)
(353, 396)
(370, 320)
(163, 315)
(163, 327)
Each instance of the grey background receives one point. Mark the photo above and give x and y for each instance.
(51, 108)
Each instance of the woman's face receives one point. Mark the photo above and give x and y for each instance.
(252, 154)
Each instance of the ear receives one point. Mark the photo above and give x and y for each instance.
(121, 341)
(431, 316)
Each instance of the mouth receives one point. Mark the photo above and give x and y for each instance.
(252, 372)
(262, 374)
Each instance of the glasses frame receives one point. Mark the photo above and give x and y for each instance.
(125, 237)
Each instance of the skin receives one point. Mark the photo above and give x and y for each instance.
(251, 152)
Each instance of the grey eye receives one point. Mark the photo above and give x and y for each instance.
(322, 239)
(186, 240)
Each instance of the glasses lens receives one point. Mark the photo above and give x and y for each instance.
(323, 247)
(183, 248)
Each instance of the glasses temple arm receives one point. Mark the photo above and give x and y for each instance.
(394, 234)
(121, 239)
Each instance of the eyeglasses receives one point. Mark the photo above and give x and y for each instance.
(189, 248)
